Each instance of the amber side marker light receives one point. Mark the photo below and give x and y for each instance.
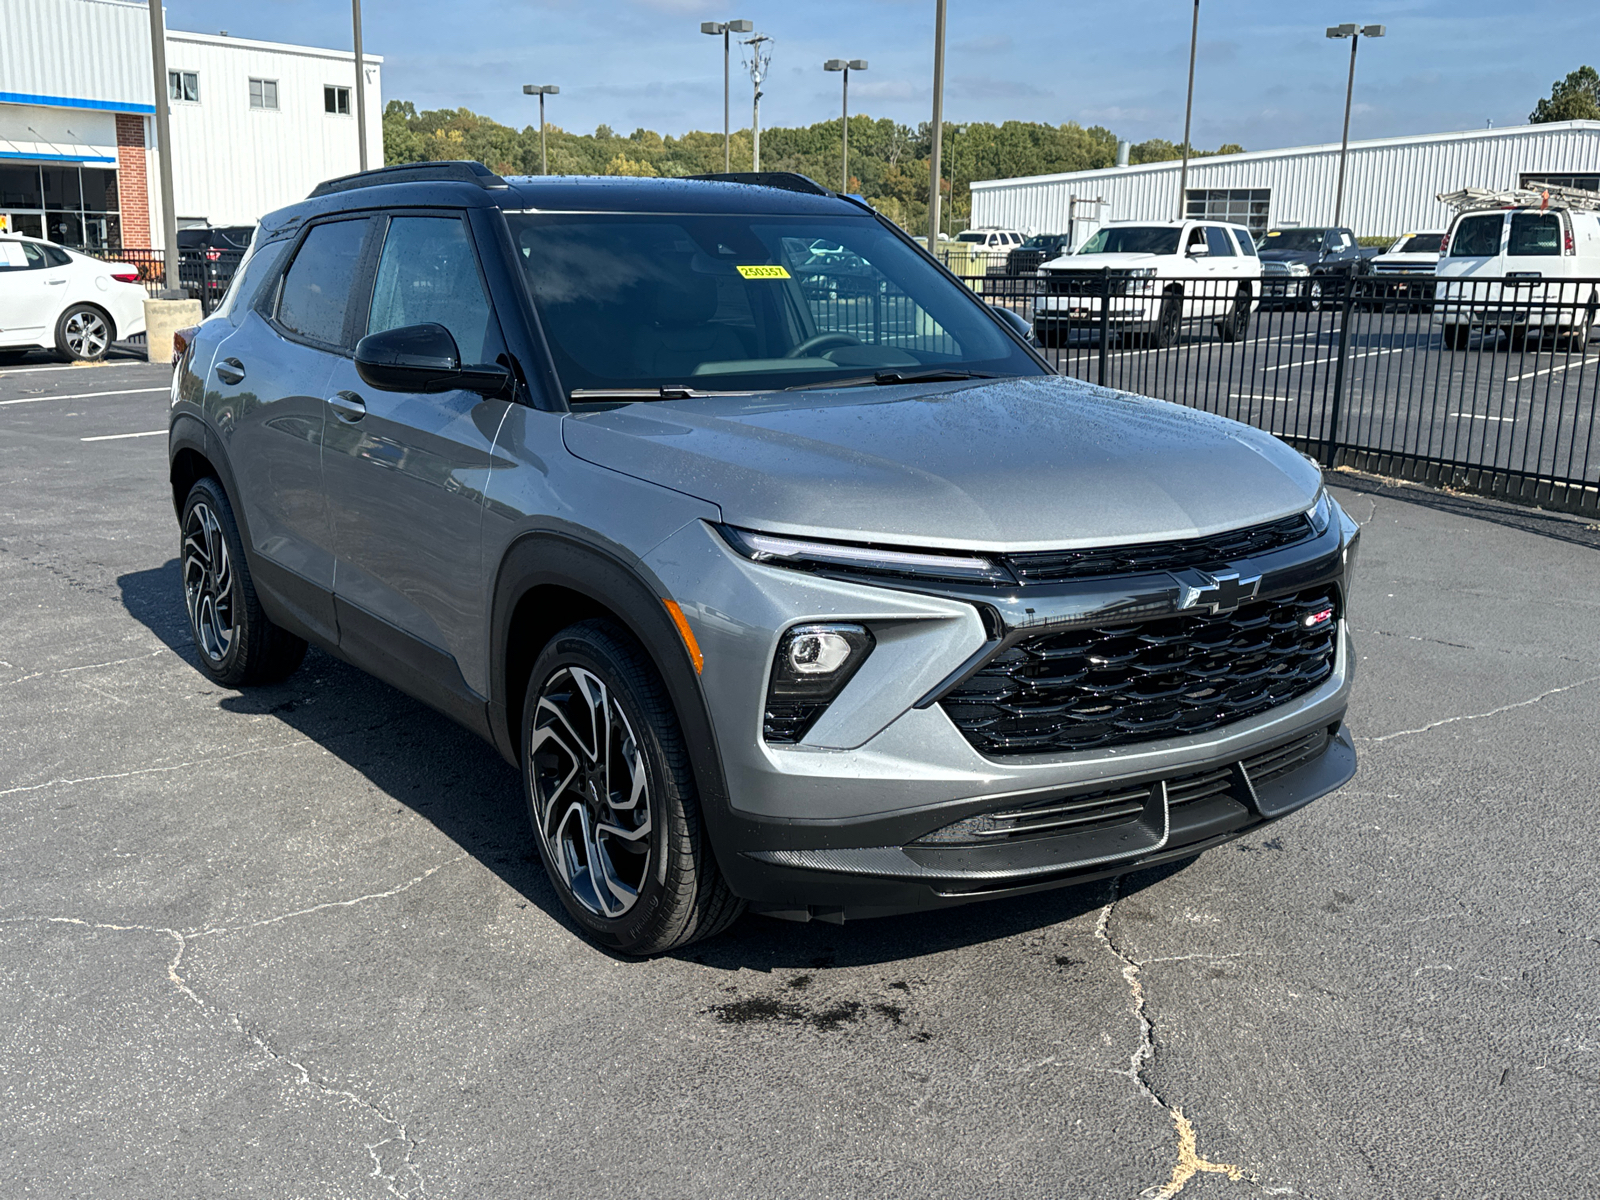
(687, 634)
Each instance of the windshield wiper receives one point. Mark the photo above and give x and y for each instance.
(631, 395)
(884, 378)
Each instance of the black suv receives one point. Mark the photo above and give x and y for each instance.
(208, 257)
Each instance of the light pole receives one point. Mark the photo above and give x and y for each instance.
(760, 48)
(169, 211)
(725, 28)
(361, 87)
(1188, 112)
(1355, 35)
(845, 65)
(541, 90)
(955, 132)
(938, 127)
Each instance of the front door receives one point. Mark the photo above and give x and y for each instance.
(405, 475)
(31, 291)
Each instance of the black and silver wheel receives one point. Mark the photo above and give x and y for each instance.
(236, 643)
(1169, 322)
(83, 333)
(1313, 295)
(612, 797)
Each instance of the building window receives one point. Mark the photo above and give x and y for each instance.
(75, 206)
(1237, 206)
(1589, 183)
(184, 86)
(336, 100)
(263, 93)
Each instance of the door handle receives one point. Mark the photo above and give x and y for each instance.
(230, 371)
(348, 405)
(55, 282)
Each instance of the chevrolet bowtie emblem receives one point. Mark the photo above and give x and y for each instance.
(1218, 593)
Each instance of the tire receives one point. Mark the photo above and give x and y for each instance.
(84, 333)
(237, 645)
(1455, 336)
(1169, 323)
(1313, 296)
(1237, 323)
(638, 902)
(1516, 338)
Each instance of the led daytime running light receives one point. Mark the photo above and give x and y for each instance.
(782, 551)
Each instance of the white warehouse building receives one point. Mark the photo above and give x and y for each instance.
(255, 125)
(1390, 183)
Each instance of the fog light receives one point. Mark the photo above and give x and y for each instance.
(812, 666)
(818, 651)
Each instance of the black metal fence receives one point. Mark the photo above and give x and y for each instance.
(1484, 384)
(203, 274)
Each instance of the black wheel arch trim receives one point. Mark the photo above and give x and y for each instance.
(544, 558)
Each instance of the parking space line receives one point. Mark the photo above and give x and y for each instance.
(84, 395)
(131, 362)
(112, 437)
(1251, 396)
(1478, 417)
(1317, 361)
(1582, 362)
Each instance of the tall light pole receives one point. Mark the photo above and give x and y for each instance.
(541, 90)
(1188, 112)
(938, 126)
(845, 65)
(1355, 35)
(955, 132)
(725, 28)
(361, 87)
(759, 46)
(169, 211)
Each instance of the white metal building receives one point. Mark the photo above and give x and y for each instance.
(255, 125)
(1390, 183)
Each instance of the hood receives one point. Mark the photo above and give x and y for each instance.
(1016, 464)
(1288, 256)
(1093, 262)
(1425, 258)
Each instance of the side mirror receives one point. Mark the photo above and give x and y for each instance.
(1199, 250)
(1019, 324)
(424, 358)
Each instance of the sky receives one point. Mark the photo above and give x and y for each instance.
(1267, 77)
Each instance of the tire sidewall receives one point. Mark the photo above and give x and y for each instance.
(208, 492)
(586, 646)
(61, 332)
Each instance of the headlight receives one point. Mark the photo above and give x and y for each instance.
(1299, 269)
(1320, 514)
(807, 555)
(1142, 272)
(813, 664)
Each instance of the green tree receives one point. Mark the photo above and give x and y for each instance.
(1575, 98)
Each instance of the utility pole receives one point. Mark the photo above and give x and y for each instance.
(169, 211)
(1188, 113)
(934, 171)
(725, 28)
(845, 65)
(1355, 35)
(541, 90)
(361, 86)
(760, 49)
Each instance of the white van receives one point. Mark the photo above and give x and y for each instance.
(1519, 268)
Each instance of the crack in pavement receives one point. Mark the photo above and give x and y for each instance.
(1412, 637)
(199, 762)
(401, 1136)
(1478, 716)
(1189, 1163)
(116, 662)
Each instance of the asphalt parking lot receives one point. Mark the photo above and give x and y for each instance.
(296, 943)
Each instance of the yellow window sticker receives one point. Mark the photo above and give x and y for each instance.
(764, 272)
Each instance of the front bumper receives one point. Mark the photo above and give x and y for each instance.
(834, 826)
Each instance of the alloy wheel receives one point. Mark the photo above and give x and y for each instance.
(87, 334)
(591, 792)
(208, 583)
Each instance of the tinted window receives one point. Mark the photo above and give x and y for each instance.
(1419, 243)
(1132, 239)
(1293, 239)
(317, 288)
(1246, 242)
(1535, 233)
(429, 274)
(248, 279)
(1477, 237)
(1219, 242)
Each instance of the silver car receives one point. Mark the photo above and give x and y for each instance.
(786, 572)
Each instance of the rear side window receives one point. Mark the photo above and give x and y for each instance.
(429, 275)
(1220, 244)
(316, 291)
(1477, 237)
(1534, 233)
(248, 278)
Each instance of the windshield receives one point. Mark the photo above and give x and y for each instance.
(1418, 243)
(972, 237)
(747, 303)
(1293, 239)
(1132, 239)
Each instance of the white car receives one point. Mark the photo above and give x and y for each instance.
(1404, 272)
(1161, 275)
(55, 298)
(988, 247)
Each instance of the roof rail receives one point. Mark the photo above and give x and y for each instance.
(1535, 195)
(425, 172)
(788, 181)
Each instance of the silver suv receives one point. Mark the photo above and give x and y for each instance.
(784, 569)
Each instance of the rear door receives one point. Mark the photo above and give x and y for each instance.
(406, 473)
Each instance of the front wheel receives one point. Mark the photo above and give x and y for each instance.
(1168, 323)
(612, 798)
(1313, 295)
(83, 334)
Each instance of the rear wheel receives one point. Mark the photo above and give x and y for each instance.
(612, 798)
(83, 333)
(1237, 322)
(1455, 336)
(238, 645)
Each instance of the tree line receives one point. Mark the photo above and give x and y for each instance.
(888, 161)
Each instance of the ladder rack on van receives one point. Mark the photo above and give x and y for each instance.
(1535, 195)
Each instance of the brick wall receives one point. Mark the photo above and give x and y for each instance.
(133, 189)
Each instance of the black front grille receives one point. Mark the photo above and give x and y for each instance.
(1084, 283)
(1120, 684)
(1053, 566)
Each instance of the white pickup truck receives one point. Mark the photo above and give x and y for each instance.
(1161, 275)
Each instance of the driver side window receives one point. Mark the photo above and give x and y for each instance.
(428, 274)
